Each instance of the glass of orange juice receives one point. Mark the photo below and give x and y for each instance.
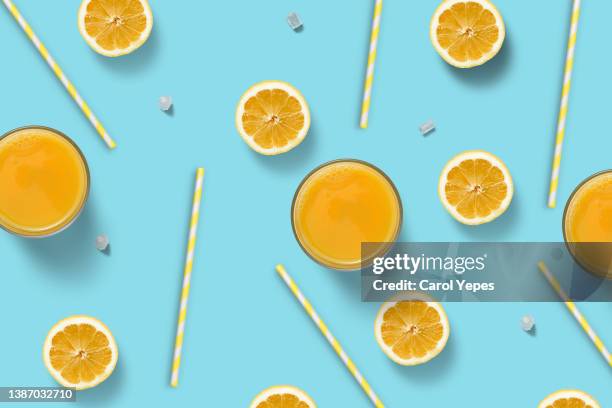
(341, 204)
(44, 181)
(587, 224)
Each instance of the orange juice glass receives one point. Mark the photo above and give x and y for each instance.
(341, 204)
(44, 181)
(587, 224)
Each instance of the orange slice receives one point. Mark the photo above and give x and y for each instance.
(569, 399)
(115, 27)
(467, 33)
(282, 396)
(475, 187)
(272, 117)
(80, 352)
(413, 330)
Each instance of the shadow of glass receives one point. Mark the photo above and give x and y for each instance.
(349, 281)
(69, 252)
(403, 234)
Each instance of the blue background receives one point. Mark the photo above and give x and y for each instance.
(245, 331)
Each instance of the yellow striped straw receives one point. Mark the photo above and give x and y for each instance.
(59, 73)
(369, 78)
(193, 229)
(575, 312)
(567, 80)
(329, 336)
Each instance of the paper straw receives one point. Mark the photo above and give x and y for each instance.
(59, 73)
(575, 312)
(329, 336)
(567, 80)
(193, 228)
(369, 78)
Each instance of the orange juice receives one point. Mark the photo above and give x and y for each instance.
(341, 204)
(587, 223)
(44, 181)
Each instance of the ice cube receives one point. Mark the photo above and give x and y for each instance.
(294, 21)
(527, 323)
(102, 242)
(165, 103)
(427, 127)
